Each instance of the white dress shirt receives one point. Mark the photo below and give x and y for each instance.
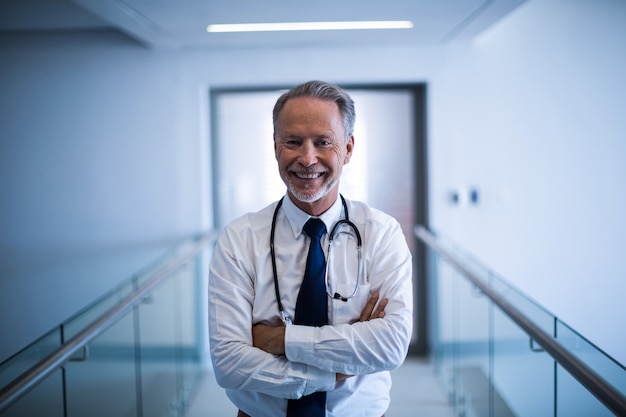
(242, 294)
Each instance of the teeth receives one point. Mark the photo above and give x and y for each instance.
(309, 176)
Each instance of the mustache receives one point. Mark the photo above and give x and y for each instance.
(307, 170)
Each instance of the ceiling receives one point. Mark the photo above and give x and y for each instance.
(182, 23)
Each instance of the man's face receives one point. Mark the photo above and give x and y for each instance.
(311, 149)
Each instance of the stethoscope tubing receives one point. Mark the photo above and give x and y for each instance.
(336, 295)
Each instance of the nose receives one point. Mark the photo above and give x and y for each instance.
(308, 154)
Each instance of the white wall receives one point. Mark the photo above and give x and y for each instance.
(103, 144)
(95, 173)
(533, 117)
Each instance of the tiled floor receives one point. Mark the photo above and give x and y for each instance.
(416, 392)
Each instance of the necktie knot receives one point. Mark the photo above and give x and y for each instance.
(314, 228)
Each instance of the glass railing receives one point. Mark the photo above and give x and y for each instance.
(498, 353)
(135, 352)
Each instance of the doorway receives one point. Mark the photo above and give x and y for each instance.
(387, 169)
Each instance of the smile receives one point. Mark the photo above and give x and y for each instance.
(308, 175)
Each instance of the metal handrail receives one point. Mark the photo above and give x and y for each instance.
(44, 368)
(604, 391)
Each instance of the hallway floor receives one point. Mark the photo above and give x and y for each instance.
(416, 392)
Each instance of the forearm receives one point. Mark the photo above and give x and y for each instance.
(271, 339)
(247, 368)
(359, 348)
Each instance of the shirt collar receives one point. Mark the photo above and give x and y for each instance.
(297, 218)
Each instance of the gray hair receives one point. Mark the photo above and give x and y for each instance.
(323, 91)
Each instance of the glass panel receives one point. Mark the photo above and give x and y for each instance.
(173, 252)
(473, 350)
(190, 323)
(374, 164)
(572, 397)
(529, 308)
(104, 383)
(444, 328)
(574, 400)
(86, 317)
(462, 347)
(115, 375)
(245, 181)
(484, 358)
(46, 399)
(20, 363)
(523, 378)
(160, 335)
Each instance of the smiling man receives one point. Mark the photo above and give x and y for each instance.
(294, 330)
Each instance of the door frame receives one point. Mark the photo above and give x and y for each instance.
(418, 91)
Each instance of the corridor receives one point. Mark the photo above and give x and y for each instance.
(416, 392)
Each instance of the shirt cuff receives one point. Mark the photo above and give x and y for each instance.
(300, 347)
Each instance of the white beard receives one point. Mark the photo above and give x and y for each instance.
(310, 198)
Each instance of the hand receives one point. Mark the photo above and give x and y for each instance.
(271, 339)
(371, 311)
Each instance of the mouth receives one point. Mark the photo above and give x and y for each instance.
(308, 175)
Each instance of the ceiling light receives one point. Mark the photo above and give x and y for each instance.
(272, 27)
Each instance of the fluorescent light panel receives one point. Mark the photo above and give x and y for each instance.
(274, 27)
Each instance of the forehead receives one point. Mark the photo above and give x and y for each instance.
(310, 112)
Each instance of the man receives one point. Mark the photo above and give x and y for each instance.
(271, 359)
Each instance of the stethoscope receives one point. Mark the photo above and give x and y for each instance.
(335, 296)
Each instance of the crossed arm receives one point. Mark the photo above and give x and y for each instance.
(271, 339)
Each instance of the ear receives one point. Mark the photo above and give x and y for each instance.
(349, 148)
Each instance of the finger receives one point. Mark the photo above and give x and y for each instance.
(366, 314)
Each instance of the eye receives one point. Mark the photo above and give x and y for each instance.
(291, 143)
(325, 143)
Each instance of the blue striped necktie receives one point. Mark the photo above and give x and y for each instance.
(312, 310)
